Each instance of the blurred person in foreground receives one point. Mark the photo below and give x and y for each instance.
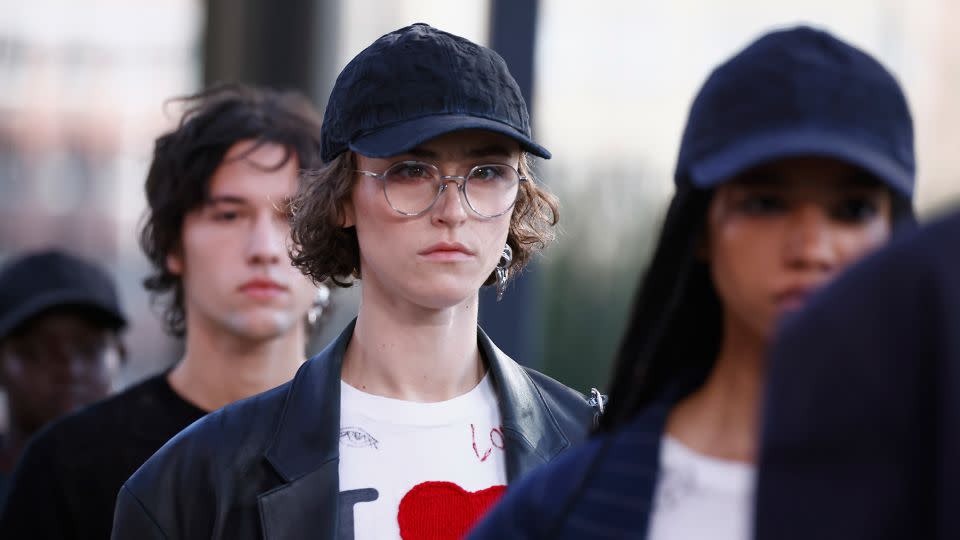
(861, 425)
(411, 423)
(216, 234)
(60, 324)
(796, 161)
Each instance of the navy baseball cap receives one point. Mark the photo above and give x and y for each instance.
(415, 84)
(798, 92)
(44, 280)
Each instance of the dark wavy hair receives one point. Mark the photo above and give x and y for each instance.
(673, 335)
(184, 160)
(324, 249)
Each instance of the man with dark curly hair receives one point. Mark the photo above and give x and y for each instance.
(216, 234)
(412, 422)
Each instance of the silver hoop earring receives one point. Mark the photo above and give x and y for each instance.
(503, 270)
(320, 303)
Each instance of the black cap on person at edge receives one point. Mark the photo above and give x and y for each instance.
(39, 281)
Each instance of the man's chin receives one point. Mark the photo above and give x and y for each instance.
(263, 326)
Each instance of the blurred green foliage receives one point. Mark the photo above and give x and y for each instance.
(609, 220)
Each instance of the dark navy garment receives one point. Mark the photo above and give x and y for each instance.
(861, 430)
(4, 486)
(600, 490)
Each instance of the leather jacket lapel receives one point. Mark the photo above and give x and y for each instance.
(304, 508)
(308, 433)
(305, 451)
(531, 432)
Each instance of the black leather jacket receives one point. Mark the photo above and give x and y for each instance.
(267, 467)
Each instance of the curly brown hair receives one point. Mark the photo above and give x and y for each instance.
(185, 159)
(324, 249)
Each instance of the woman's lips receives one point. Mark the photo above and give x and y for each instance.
(447, 252)
(793, 298)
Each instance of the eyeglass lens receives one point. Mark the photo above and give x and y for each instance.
(412, 187)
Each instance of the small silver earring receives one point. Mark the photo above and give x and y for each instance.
(503, 270)
(321, 301)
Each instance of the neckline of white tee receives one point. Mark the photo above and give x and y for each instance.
(415, 413)
(713, 473)
(700, 496)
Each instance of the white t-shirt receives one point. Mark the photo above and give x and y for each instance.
(420, 467)
(698, 496)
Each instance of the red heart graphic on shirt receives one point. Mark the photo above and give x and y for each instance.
(443, 510)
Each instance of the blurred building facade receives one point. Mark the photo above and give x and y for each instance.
(82, 86)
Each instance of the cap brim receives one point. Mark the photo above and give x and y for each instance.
(52, 299)
(405, 136)
(741, 156)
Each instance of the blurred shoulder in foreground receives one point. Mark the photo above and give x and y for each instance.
(861, 424)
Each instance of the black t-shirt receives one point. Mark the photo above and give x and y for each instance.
(67, 480)
(4, 480)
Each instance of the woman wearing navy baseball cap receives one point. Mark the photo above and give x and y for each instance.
(797, 160)
(412, 422)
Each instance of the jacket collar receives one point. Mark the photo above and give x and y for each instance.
(308, 432)
(532, 434)
(625, 462)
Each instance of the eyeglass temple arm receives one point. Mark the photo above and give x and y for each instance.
(520, 177)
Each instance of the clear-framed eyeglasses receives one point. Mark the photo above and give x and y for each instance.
(412, 187)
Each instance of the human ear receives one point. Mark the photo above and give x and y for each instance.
(174, 263)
